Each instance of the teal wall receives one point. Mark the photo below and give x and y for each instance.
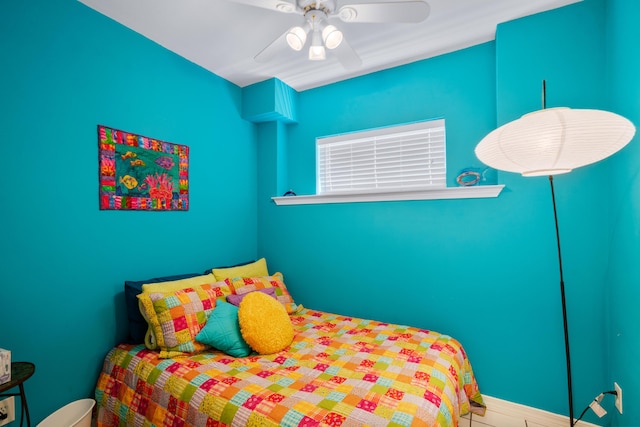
(484, 271)
(624, 273)
(65, 69)
(565, 47)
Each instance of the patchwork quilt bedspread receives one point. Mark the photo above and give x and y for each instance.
(339, 371)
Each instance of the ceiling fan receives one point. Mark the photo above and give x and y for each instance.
(317, 27)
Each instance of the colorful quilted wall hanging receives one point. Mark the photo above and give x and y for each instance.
(141, 173)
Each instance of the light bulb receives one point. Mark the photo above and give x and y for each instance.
(317, 53)
(332, 37)
(296, 38)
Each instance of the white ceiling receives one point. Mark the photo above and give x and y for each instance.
(223, 37)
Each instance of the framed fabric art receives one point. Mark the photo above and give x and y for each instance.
(141, 173)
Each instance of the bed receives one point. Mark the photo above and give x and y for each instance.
(335, 371)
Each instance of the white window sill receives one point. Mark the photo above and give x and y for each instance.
(476, 192)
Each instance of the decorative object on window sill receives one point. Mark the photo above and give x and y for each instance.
(289, 193)
(471, 176)
(550, 142)
(140, 173)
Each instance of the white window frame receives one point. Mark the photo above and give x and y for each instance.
(410, 157)
(437, 191)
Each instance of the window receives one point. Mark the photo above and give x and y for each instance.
(406, 162)
(393, 159)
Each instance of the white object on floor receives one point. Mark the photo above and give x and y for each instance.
(75, 414)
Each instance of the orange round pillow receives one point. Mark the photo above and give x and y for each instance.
(264, 323)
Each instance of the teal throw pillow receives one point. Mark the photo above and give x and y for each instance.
(222, 331)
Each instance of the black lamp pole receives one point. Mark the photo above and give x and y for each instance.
(564, 305)
(562, 293)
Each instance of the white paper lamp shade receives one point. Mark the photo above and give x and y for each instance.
(554, 141)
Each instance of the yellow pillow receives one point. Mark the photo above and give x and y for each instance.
(254, 269)
(175, 285)
(264, 323)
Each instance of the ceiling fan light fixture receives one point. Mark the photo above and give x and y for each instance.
(331, 36)
(317, 53)
(296, 38)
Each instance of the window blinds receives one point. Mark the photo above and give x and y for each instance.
(400, 158)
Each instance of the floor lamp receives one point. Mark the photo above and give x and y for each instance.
(549, 142)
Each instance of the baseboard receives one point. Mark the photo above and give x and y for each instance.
(502, 413)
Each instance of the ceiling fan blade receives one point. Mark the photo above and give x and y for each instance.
(286, 6)
(347, 56)
(273, 49)
(410, 11)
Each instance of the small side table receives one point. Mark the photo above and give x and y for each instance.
(20, 372)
